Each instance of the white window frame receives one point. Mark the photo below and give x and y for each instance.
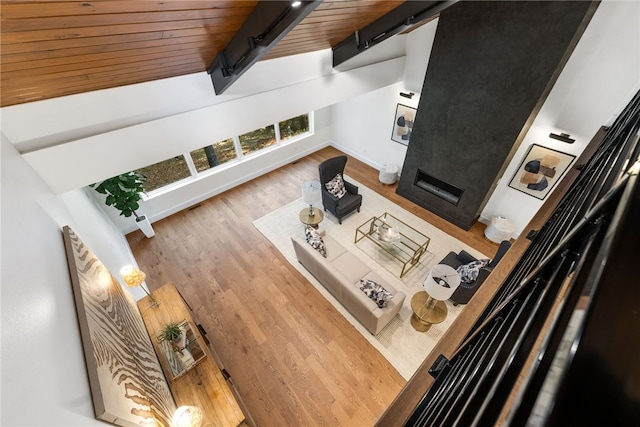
(240, 156)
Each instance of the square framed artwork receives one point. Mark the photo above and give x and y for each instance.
(403, 124)
(540, 171)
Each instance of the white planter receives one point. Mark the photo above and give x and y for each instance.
(144, 225)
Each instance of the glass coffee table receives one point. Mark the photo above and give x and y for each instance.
(396, 238)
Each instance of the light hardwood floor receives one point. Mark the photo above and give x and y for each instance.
(294, 359)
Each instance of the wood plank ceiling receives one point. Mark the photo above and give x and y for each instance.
(56, 48)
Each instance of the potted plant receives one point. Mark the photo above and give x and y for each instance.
(171, 332)
(124, 193)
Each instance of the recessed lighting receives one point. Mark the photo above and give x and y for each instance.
(296, 3)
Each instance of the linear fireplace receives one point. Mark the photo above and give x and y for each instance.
(433, 185)
(476, 106)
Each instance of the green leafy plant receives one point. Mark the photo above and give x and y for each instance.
(123, 192)
(171, 332)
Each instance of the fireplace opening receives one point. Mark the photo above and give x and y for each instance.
(433, 185)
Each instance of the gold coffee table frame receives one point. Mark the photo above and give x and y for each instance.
(408, 249)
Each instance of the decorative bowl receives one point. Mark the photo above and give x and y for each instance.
(388, 234)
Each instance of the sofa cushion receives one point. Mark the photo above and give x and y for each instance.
(350, 267)
(469, 272)
(315, 240)
(334, 249)
(376, 292)
(336, 186)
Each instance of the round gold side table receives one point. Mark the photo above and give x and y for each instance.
(423, 316)
(312, 220)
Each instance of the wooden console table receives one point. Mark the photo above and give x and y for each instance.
(202, 385)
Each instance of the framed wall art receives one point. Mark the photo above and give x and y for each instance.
(126, 380)
(403, 124)
(540, 171)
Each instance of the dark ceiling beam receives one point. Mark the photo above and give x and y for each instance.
(399, 19)
(269, 22)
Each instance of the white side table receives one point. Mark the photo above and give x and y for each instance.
(499, 229)
(388, 174)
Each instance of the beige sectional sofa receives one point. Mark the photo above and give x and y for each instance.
(340, 273)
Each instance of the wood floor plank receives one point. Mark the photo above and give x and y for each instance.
(293, 357)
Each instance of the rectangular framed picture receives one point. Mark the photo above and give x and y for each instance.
(127, 384)
(403, 124)
(540, 171)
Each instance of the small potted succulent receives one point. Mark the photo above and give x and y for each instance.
(174, 335)
(171, 332)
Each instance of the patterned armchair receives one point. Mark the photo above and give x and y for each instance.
(343, 198)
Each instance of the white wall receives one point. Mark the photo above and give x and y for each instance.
(593, 86)
(43, 378)
(111, 153)
(418, 50)
(363, 125)
(56, 121)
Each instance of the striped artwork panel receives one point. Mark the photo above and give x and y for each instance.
(127, 384)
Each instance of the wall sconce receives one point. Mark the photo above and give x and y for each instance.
(407, 95)
(133, 278)
(564, 137)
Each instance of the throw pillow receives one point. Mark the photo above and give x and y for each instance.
(469, 272)
(315, 240)
(336, 186)
(376, 292)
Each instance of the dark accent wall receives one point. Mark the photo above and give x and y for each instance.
(491, 67)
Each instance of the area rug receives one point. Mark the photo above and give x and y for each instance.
(404, 347)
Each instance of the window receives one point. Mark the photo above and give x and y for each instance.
(206, 158)
(258, 139)
(214, 155)
(165, 173)
(293, 127)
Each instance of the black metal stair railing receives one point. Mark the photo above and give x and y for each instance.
(619, 143)
(474, 385)
(502, 343)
